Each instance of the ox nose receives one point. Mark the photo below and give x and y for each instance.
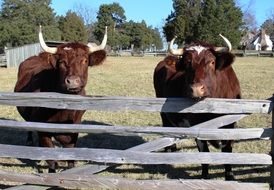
(198, 90)
(73, 82)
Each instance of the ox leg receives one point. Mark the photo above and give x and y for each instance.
(165, 120)
(46, 141)
(203, 147)
(227, 147)
(29, 141)
(68, 140)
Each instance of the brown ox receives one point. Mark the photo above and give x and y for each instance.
(201, 71)
(64, 70)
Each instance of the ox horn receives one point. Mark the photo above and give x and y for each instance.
(43, 44)
(102, 45)
(228, 48)
(174, 51)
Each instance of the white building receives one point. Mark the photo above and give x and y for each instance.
(262, 41)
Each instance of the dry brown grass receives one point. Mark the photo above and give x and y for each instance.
(132, 76)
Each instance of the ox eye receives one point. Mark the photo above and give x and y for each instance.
(84, 62)
(61, 63)
(188, 63)
(212, 63)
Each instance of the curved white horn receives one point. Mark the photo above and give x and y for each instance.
(174, 51)
(43, 44)
(229, 46)
(102, 45)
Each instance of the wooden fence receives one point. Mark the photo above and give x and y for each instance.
(257, 53)
(14, 56)
(83, 177)
(3, 60)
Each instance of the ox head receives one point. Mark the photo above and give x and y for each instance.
(203, 65)
(71, 61)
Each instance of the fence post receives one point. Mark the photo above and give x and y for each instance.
(272, 148)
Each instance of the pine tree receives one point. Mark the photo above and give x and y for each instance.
(194, 20)
(122, 34)
(182, 21)
(20, 20)
(220, 17)
(72, 28)
(113, 16)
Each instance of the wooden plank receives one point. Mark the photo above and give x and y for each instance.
(220, 121)
(131, 157)
(28, 187)
(174, 105)
(145, 147)
(93, 168)
(3, 64)
(207, 130)
(154, 145)
(104, 182)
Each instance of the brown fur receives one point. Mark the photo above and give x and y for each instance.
(49, 73)
(210, 69)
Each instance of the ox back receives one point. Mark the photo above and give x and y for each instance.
(63, 70)
(198, 73)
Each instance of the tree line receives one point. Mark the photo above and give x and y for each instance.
(190, 20)
(19, 21)
(204, 21)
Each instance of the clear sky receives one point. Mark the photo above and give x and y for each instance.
(154, 12)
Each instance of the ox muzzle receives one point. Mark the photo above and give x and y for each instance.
(73, 84)
(199, 91)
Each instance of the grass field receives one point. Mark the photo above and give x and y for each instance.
(132, 76)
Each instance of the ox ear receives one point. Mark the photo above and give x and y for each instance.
(50, 58)
(224, 60)
(97, 57)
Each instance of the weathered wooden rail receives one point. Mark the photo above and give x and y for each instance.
(101, 103)
(84, 177)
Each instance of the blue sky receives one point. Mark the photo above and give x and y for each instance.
(150, 11)
(154, 12)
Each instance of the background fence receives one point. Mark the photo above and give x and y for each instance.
(83, 177)
(15, 56)
(243, 53)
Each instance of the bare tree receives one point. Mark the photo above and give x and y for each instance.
(88, 15)
(249, 17)
(250, 22)
(268, 24)
(270, 14)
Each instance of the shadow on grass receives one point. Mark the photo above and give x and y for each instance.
(108, 141)
(11, 136)
(194, 172)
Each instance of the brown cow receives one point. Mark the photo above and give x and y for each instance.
(201, 71)
(63, 69)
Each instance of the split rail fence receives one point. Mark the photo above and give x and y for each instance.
(84, 177)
